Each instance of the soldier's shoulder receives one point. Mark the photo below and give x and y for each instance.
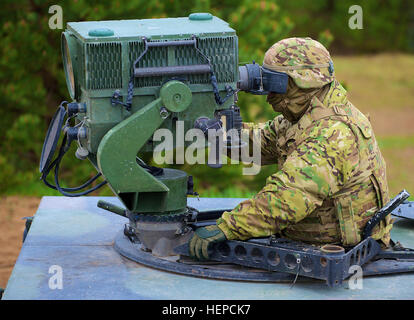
(331, 131)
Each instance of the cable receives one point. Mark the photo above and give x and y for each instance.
(87, 183)
(74, 194)
(65, 191)
(297, 273)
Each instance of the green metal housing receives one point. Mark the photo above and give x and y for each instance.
(103, 64)
(101, 55)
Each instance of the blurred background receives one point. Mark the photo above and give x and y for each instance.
(375, 64)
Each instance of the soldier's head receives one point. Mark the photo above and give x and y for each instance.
(310, 69)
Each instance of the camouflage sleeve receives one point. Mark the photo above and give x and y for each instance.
(266, 135)
(316, 169)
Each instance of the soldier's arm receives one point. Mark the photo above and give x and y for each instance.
(263, 136)
(315, 170)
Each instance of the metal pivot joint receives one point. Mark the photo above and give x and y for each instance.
(139, 190)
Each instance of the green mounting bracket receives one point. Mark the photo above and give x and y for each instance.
(138, 190)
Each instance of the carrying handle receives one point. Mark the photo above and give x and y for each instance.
(171, 70)
(176, 70)
(191, 42)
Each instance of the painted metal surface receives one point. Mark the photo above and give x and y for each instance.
(77, 236)
(406, 210)
(101, 65)
(167, 27)
(212, 271)
(285, 256)
(139, 190)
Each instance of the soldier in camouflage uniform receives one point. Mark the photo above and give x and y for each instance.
(331, 177)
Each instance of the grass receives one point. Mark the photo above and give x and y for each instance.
(383, 81)
(396, 142)
(381, 85)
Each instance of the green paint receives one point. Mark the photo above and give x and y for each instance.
(171, 28)
(101, 32)
(200, 16)
(102, 65)
(139, 190)
(176, 96)
(103, 53)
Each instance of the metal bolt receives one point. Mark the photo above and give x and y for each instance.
(177, 97)
(163, 112)
(82, 133)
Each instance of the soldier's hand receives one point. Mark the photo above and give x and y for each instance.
(202, 240)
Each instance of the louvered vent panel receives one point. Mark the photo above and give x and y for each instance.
(220, 50)
(103, 65)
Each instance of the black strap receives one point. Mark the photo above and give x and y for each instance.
(383, 212)
(66, 191)
(155, 171)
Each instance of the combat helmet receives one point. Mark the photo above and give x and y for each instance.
(305, 60)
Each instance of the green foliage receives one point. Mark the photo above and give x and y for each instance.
(387, 25)
(252, 16)
(32, 82)
(325, 37)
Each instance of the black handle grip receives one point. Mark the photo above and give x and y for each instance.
(171, 70)
(191, 42)
(383, 212)
(148, 44)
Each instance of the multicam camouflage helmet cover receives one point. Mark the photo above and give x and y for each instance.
(305, 60)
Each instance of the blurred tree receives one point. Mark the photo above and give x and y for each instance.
(387, 24)
(32, 81)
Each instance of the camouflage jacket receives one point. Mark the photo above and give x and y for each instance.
(331, 178)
